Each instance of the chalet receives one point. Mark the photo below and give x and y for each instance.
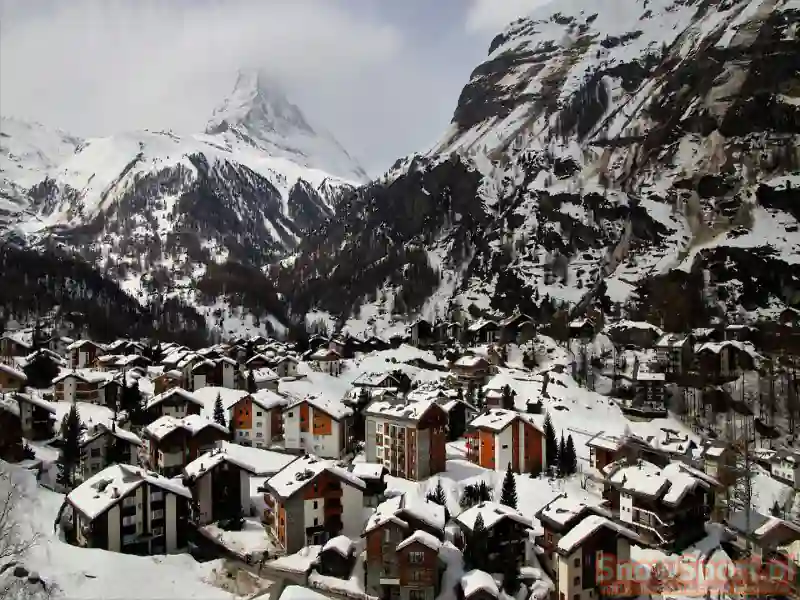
(15, 344)
(765, 536)
(518, 328)
(11, 379)
(638, 334)
(459, 414)
(448, 331)
(101, 446)
(376, 380)
(83, 353)
(94, 387)
(167, 381)
(603, 450)
(403, 540)
(175, 402)
(257, 361)
(470, 371)
(202, 373)
(312, 500)
(704, 335)
(11, 427)
(221, 480)
(375, 344)
(317, 425)
(587, 553)
(666, 506)
(327, 361)
(345, 346)
(336, 558)
(265, 379)
(315, 342)
(124, 347)
(58, 344)
(725, 360)
(675, 353)
(37, 415)
(718, 459)
(650, 396)
(484, 331)
(786, 467)
(559, 516)
(506, 532)
(422, 333)
(501, 438)
(285, 366)
(582, 329)
(225, 372)
(258, 418)
(173, 443)
(128, 509)
(739, 333)
(374, 477)
(409, 439)
(120, 362)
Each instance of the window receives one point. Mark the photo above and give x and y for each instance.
(415, 558)
(259, 434)
(577, 562)
(387, 535)
(258, 413)
(316, 505)
(259, 424)
(158, 531)
(576, 581)
(416, 575)
(316, 521)
(505, 446)
(417, 595)
(576, 597)
(291, 413)
(95, 452)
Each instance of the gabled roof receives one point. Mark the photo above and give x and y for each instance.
(341, 544)
(256, 461)
(497, 419)
(264, 374)
(192, 424)
(413, 411)
(564, 508)
(491, 513)
(118, 432)
(15, 373)
(421, 537)
(36, 400)
(334, 409)
(267, 399)
(479, 581)
(108, 487)
(304, 470)
(85, 375)
(82, 343)
(586, 528)
(178, 392)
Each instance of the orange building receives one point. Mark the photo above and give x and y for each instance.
(499, 438)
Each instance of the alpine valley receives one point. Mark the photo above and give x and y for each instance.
(643, 154)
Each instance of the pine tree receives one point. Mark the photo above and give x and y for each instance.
(70, 455)
(437, 496)
(113, 448)
(562, 457)
(508, 494)
(551, 444)
(476, 550)
(219, 412)
(571, 457)
(507, 399)
(511, 573)
(252, 388)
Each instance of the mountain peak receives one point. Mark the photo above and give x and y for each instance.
(258, 105)
(259, 113)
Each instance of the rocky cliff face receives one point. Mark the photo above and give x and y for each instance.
(602, 149)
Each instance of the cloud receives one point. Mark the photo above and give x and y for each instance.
(95, 67)
(492, 16)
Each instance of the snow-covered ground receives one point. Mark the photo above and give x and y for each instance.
(92, 574)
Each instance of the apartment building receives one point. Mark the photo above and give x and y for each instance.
(258, 418)
(561, 515)
(128, 509)
(317, 425)
(403, 540)
(499, 438)
(221, 480)
(311, 501)
(87, 385)
(82, 354)
(506, 532)
(408, 439)
(38, 416)
(11, 379)
(471, 371)
(171, 444)
(100, 445)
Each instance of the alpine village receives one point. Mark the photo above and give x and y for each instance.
(555, 358)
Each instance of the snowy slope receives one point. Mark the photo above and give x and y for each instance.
(601, 146)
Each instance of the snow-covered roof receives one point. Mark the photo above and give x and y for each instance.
(297, 592)
(423, 510)
(118, 432)
(263, 374)
(8, 405)
(334, 408)
(340, 544)
(297, 474)
(365, 470)
(421, 537)
(644, 478)
(36, 400)
(604, 442)
(480, 324)
(671, 340)
(583, 530)
(650, 376)
(373, 379)
(256, 461)
(564, 508)
(85, 375)
(178, 392)
(101, 491)
(470, 361)
(626, 324)
(476, 580)
(497, 419)
(413, 411)
(325, 354)
(207, 397)
(193, 424)
(82, 343)
(16, 373)
(23, 338)
(491, 513)
(267, 399)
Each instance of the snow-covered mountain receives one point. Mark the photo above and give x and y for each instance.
(644, 153)
(154, 209)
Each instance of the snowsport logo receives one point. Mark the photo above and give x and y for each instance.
(688, 576)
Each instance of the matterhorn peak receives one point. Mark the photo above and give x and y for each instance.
(259, 113)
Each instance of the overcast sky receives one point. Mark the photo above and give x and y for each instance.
(382, 75)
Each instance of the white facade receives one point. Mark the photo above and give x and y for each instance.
(228, 375)
(788, 470)
(93, 456)
(569, 570)
(324, 446)
(198, 381)
(260, 434)
(353, 520)
(169, 459)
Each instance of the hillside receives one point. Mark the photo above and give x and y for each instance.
(654, 148)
